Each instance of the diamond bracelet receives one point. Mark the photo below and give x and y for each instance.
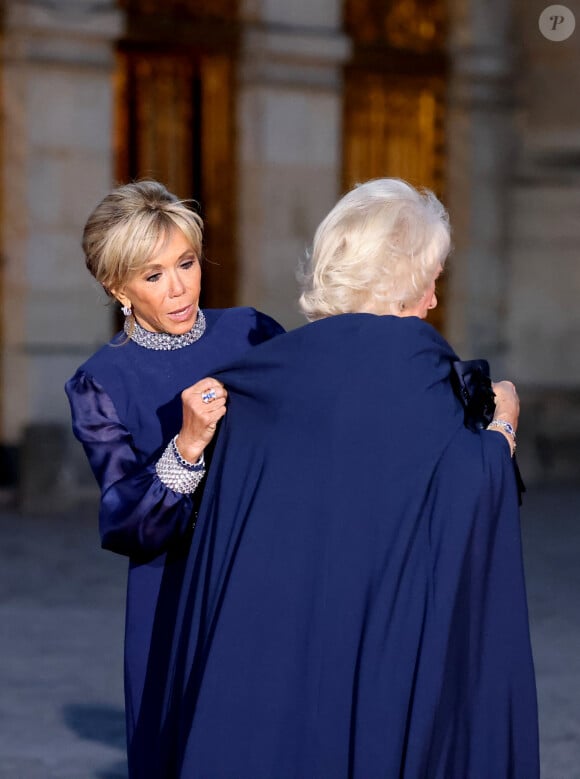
(197, 466)
(177, 473)
(508, 428)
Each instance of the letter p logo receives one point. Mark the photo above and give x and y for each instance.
(557, 23)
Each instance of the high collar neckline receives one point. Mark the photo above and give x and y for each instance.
(164, 341)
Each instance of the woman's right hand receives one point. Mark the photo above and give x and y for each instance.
(200, 417)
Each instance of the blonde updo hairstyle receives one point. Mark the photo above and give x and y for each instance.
(377, 251)
(128, 227)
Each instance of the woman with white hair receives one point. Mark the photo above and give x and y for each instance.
(379, 251)
(354, 604)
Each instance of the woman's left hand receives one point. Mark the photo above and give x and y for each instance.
(507, 402)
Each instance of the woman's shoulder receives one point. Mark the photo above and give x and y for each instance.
(106, 361)
(240, 313)
(401, 334)
(243, 318)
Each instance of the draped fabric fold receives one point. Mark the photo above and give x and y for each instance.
(353, 603)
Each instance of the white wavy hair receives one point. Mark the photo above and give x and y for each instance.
(377, 251)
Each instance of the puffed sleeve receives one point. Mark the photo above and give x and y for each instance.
(139, 514)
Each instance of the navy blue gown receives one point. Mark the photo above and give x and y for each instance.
(126, 407)
(354, 603)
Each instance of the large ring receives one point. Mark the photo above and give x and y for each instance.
(208, 395)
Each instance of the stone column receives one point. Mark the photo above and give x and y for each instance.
(56, 69)
(289, 124)
(480, 152)
(544, 311)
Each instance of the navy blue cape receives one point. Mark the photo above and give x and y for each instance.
(353, 603)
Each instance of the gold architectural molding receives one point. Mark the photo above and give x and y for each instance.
(409, 25)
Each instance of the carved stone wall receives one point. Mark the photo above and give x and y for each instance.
(56, 70)
(514, 196)
(480, 145)
(289, 143)
(543, 319)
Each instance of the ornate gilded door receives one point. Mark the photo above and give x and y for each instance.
(175, 117)
(394, 95)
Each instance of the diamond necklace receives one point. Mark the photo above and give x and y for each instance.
(164, 341)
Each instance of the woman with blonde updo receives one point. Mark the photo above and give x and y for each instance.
(146, 409)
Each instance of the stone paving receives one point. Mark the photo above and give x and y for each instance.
(551, 532)
(61, 611)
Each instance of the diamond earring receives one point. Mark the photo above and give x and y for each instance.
(126, 310)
